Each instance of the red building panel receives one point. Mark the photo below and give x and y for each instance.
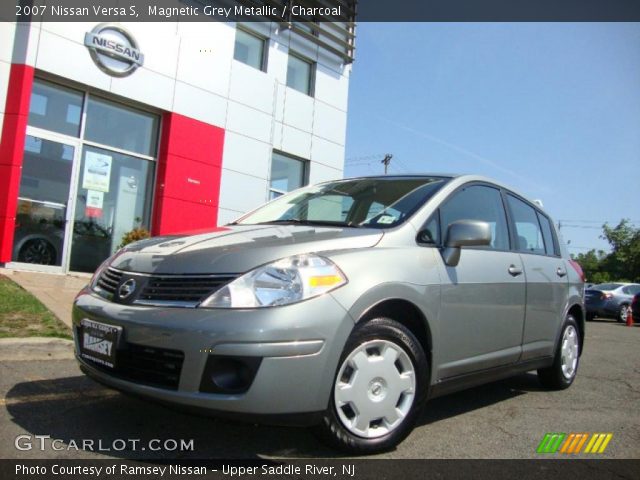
(189, 171)
(181, 216)
(193, 181)
(192, 139)
(14, 131)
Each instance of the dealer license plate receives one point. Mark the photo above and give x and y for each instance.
(98, 342)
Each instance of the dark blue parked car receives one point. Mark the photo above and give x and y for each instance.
(610, 300)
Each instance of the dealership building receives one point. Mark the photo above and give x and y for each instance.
(170, 127)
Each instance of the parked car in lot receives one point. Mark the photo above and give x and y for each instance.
(344, 305)
(610, 300)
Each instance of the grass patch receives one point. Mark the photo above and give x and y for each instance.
(22, 314)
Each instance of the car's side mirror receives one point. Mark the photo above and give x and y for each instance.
(464, 233)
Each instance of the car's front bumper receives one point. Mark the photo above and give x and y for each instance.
(299, 347)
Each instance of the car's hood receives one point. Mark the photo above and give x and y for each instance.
(237, 248)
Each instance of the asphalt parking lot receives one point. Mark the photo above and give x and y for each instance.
(502, 420)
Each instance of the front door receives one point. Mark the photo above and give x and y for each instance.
(482, 306)
(86, 182)
(44, 211)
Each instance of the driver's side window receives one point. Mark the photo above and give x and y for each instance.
(478, 202)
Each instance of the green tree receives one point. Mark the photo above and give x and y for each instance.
(622, 264)
(592, 263)
(624, 260)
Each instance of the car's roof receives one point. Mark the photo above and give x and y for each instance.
(455, 178)
(615, 284)
(405, 175)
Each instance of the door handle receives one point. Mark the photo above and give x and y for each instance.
(514, 271)
(561, 272)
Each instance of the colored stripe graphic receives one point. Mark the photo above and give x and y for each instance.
(598, 443)
(572, 443)
(551, 442)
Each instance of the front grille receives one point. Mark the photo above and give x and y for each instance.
(188, 289)
(156, 367)
(109, 280)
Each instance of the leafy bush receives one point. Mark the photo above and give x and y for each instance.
(134, 235)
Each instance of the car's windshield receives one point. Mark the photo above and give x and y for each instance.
(363, 202)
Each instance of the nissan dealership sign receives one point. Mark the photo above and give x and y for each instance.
(113, 49)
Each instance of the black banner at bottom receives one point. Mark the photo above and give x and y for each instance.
(342, 469)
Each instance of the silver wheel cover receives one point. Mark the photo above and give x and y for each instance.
(375, 388)
(624, 311)
(569, 352)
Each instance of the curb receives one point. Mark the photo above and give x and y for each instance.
(35, 348)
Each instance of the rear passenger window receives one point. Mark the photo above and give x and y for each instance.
(482, 203)
(528, 231)
(547, 235)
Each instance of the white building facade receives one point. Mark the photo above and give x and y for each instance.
(170, 127)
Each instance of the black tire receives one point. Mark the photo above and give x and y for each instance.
(333, 431)
(622, 313)
(37, 251)
(554, 377)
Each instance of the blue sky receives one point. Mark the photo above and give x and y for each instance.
(550, 109)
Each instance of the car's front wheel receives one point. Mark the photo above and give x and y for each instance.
(378, 390)
(561, 374)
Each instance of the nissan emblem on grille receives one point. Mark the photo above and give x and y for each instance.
(126, 289)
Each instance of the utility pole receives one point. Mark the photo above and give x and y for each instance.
(386, 161)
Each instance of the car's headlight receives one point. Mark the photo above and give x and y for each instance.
(285, 281)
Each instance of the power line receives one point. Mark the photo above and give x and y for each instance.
(596, 221)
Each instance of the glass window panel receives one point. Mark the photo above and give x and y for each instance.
(478, 203)
(431, 231)
(55, 108)
(122, 127)
(113, 197)
(528, 233)
(42, 202)
(249, 49)
(547, 235)
(391, 200)
(334, 208)
(299, 74)
(286, 173)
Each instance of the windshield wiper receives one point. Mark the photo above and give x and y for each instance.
(299, 221)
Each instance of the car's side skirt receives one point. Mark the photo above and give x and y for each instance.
(462, 382)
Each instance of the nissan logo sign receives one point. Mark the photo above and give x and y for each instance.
(113, 49)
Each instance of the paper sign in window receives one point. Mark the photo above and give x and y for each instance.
(97, 172)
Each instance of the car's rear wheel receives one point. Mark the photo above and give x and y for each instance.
(622, 314)
(378, 390)
(37, 251)
(561, 374)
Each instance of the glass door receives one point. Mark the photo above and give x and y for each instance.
(113, 197)
(44, 203)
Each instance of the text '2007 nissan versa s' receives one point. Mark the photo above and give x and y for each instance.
(344, 305)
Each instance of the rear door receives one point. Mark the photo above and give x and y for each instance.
(483, 297)
(546, 275)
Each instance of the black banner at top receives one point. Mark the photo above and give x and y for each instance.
(321, 10)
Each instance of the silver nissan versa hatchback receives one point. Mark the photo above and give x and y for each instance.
(344, 305)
